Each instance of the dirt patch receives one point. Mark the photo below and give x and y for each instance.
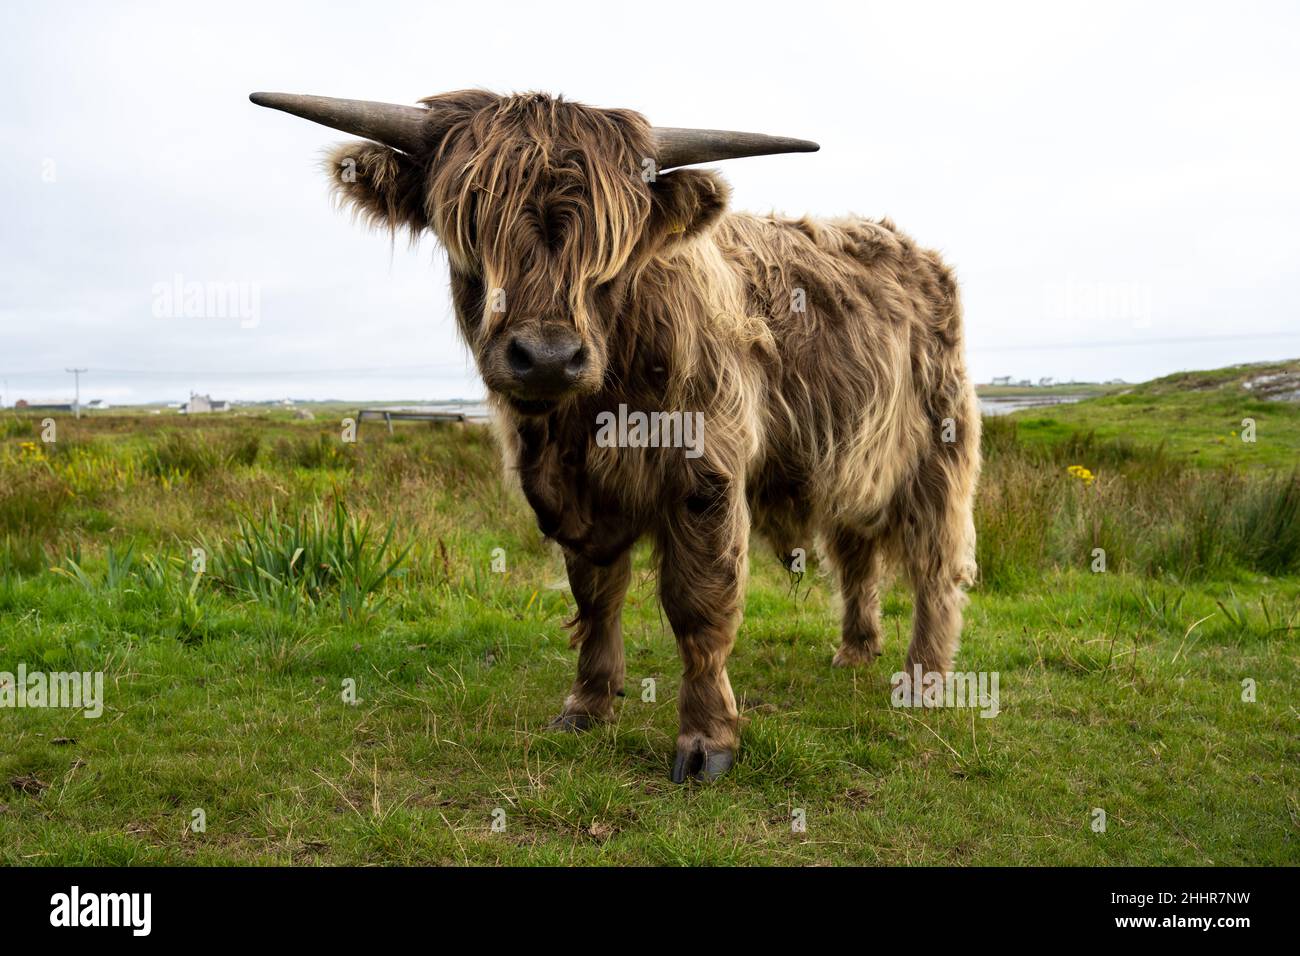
(29, 784)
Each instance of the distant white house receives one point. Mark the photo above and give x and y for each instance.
(1002, 380)
(202, 404)
(97, 405)
(1045, 381)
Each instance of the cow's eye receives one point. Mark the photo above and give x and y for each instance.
(553, 223)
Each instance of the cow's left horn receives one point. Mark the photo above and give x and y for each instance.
(402, 127)
(686, 147)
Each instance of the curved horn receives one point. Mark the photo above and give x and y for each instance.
(402, 127)
(686, 147)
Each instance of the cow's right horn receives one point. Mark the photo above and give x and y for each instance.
(686, 147)
(403, 127)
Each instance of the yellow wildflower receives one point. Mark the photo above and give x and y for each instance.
(1082, 473)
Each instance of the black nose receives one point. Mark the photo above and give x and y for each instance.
(546, 363)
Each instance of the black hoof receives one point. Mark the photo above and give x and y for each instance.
(572, 723)
(701, 763)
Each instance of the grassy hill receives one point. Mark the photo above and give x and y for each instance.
(1123, 689)
(1193, 415)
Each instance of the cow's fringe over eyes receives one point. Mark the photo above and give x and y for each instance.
(545, 195)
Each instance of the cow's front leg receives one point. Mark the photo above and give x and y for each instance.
(703, 552)
(597, 632)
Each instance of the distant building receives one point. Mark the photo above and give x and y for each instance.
(44, 405)
(1116, 381)
(203, 404)
(1002, 380)
(1045, 381)
(97, 405)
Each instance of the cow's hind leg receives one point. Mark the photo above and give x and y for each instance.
(939, 551)
(858, 560)
(703, 552)
(597, 632)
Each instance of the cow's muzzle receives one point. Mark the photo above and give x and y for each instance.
(544, 364)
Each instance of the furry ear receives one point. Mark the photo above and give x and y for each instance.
(383, 188)
(686, 203)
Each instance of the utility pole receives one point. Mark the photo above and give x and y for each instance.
(76, 372)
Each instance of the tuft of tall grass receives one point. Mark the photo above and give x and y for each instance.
(21, 556)
(12, 426)
(178, 585)
(177, 455)
(90, 470)
(32, 498)
(1268, 524)
(322, 451)
(1013, 515)
(291, 564)
(183, 454)
(119, 570)
(243, 447)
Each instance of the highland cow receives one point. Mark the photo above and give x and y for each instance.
(590, 273)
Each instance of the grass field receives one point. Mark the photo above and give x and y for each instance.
(1197, 416)
(226, 692)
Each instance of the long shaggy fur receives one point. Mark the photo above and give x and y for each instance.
(826, 357)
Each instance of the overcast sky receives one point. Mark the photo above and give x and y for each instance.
(1117, 186)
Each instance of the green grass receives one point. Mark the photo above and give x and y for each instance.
(225, 692)
(1196, 416)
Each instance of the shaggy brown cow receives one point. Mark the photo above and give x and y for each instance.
(825, 359)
